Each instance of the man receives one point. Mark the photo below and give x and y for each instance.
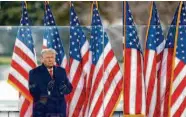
(48, 84)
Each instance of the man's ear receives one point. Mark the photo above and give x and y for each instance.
(41, 59)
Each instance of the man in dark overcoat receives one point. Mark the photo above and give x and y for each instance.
(48, 85)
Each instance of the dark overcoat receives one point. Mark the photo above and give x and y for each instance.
(48, 94)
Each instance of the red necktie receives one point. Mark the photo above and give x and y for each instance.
(51, 73)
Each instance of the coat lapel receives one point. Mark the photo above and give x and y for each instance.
(45, 73)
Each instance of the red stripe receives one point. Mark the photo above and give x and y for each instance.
(24, 107)
(158, 100)
(88, 89)
(178, 68)
(151, 83)
(20, 70)
(19, 86)
(76, 78)
(114, 100)
(145, 62)
(107, 84)
(168, 76)
(99, 76)
(85, 58)
(82, 97)
(178, 91)
(80, 102)
(180, 110)
(127, 81)
(139, 87)
(95, 85)
(159, 57)
(24, 56)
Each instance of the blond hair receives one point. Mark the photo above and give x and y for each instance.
(48, 50)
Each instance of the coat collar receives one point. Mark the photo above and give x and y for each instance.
(44, 69)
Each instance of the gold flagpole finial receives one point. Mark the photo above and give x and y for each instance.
(25, 4)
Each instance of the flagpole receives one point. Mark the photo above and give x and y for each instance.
(174, 54)
(91, 10)
(46, 2)
(148, 25)
(25, 4)
(146, 37)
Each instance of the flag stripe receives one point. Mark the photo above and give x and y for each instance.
(20, 70)
(177, 70)
(25, 57)
(98, 84)
(112, 73)
(178, 105)
(178, 91)
(133, 79)
(114, 98)
(24, 52)
(165, 81)
(139, 81)
(14, 74)
(180, 110)
(150, 79)
(24, 107)
(19, 86)
(127, 81)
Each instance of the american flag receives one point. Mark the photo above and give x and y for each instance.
(134, 85)
(178, 83)
(105, 74)
(52, 39)
(23, 60)
(165, 70)
(155, 44)
(79, 66)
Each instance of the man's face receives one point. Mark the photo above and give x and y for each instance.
(48, 59)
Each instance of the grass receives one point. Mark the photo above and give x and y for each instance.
(5, 60)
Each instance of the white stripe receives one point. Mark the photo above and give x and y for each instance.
(29, 111)
(73, 69)
(101, 83)
(113, 84)
(111, 90)
(163, 78)
(133, 76)
(177, 60)
(21, 100)
(25, 49)
(149, 68)
(100, 61)
(153, 100)
(143, 88)
(95, 96)
(78, 90)
(76, 95)
(84, 48)
(21, 62)
(184, 113)
(160, 47)
(179, 79)
(64, 62)
(19, 77)
(158, 66)
(88, 76)
(178, 102)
